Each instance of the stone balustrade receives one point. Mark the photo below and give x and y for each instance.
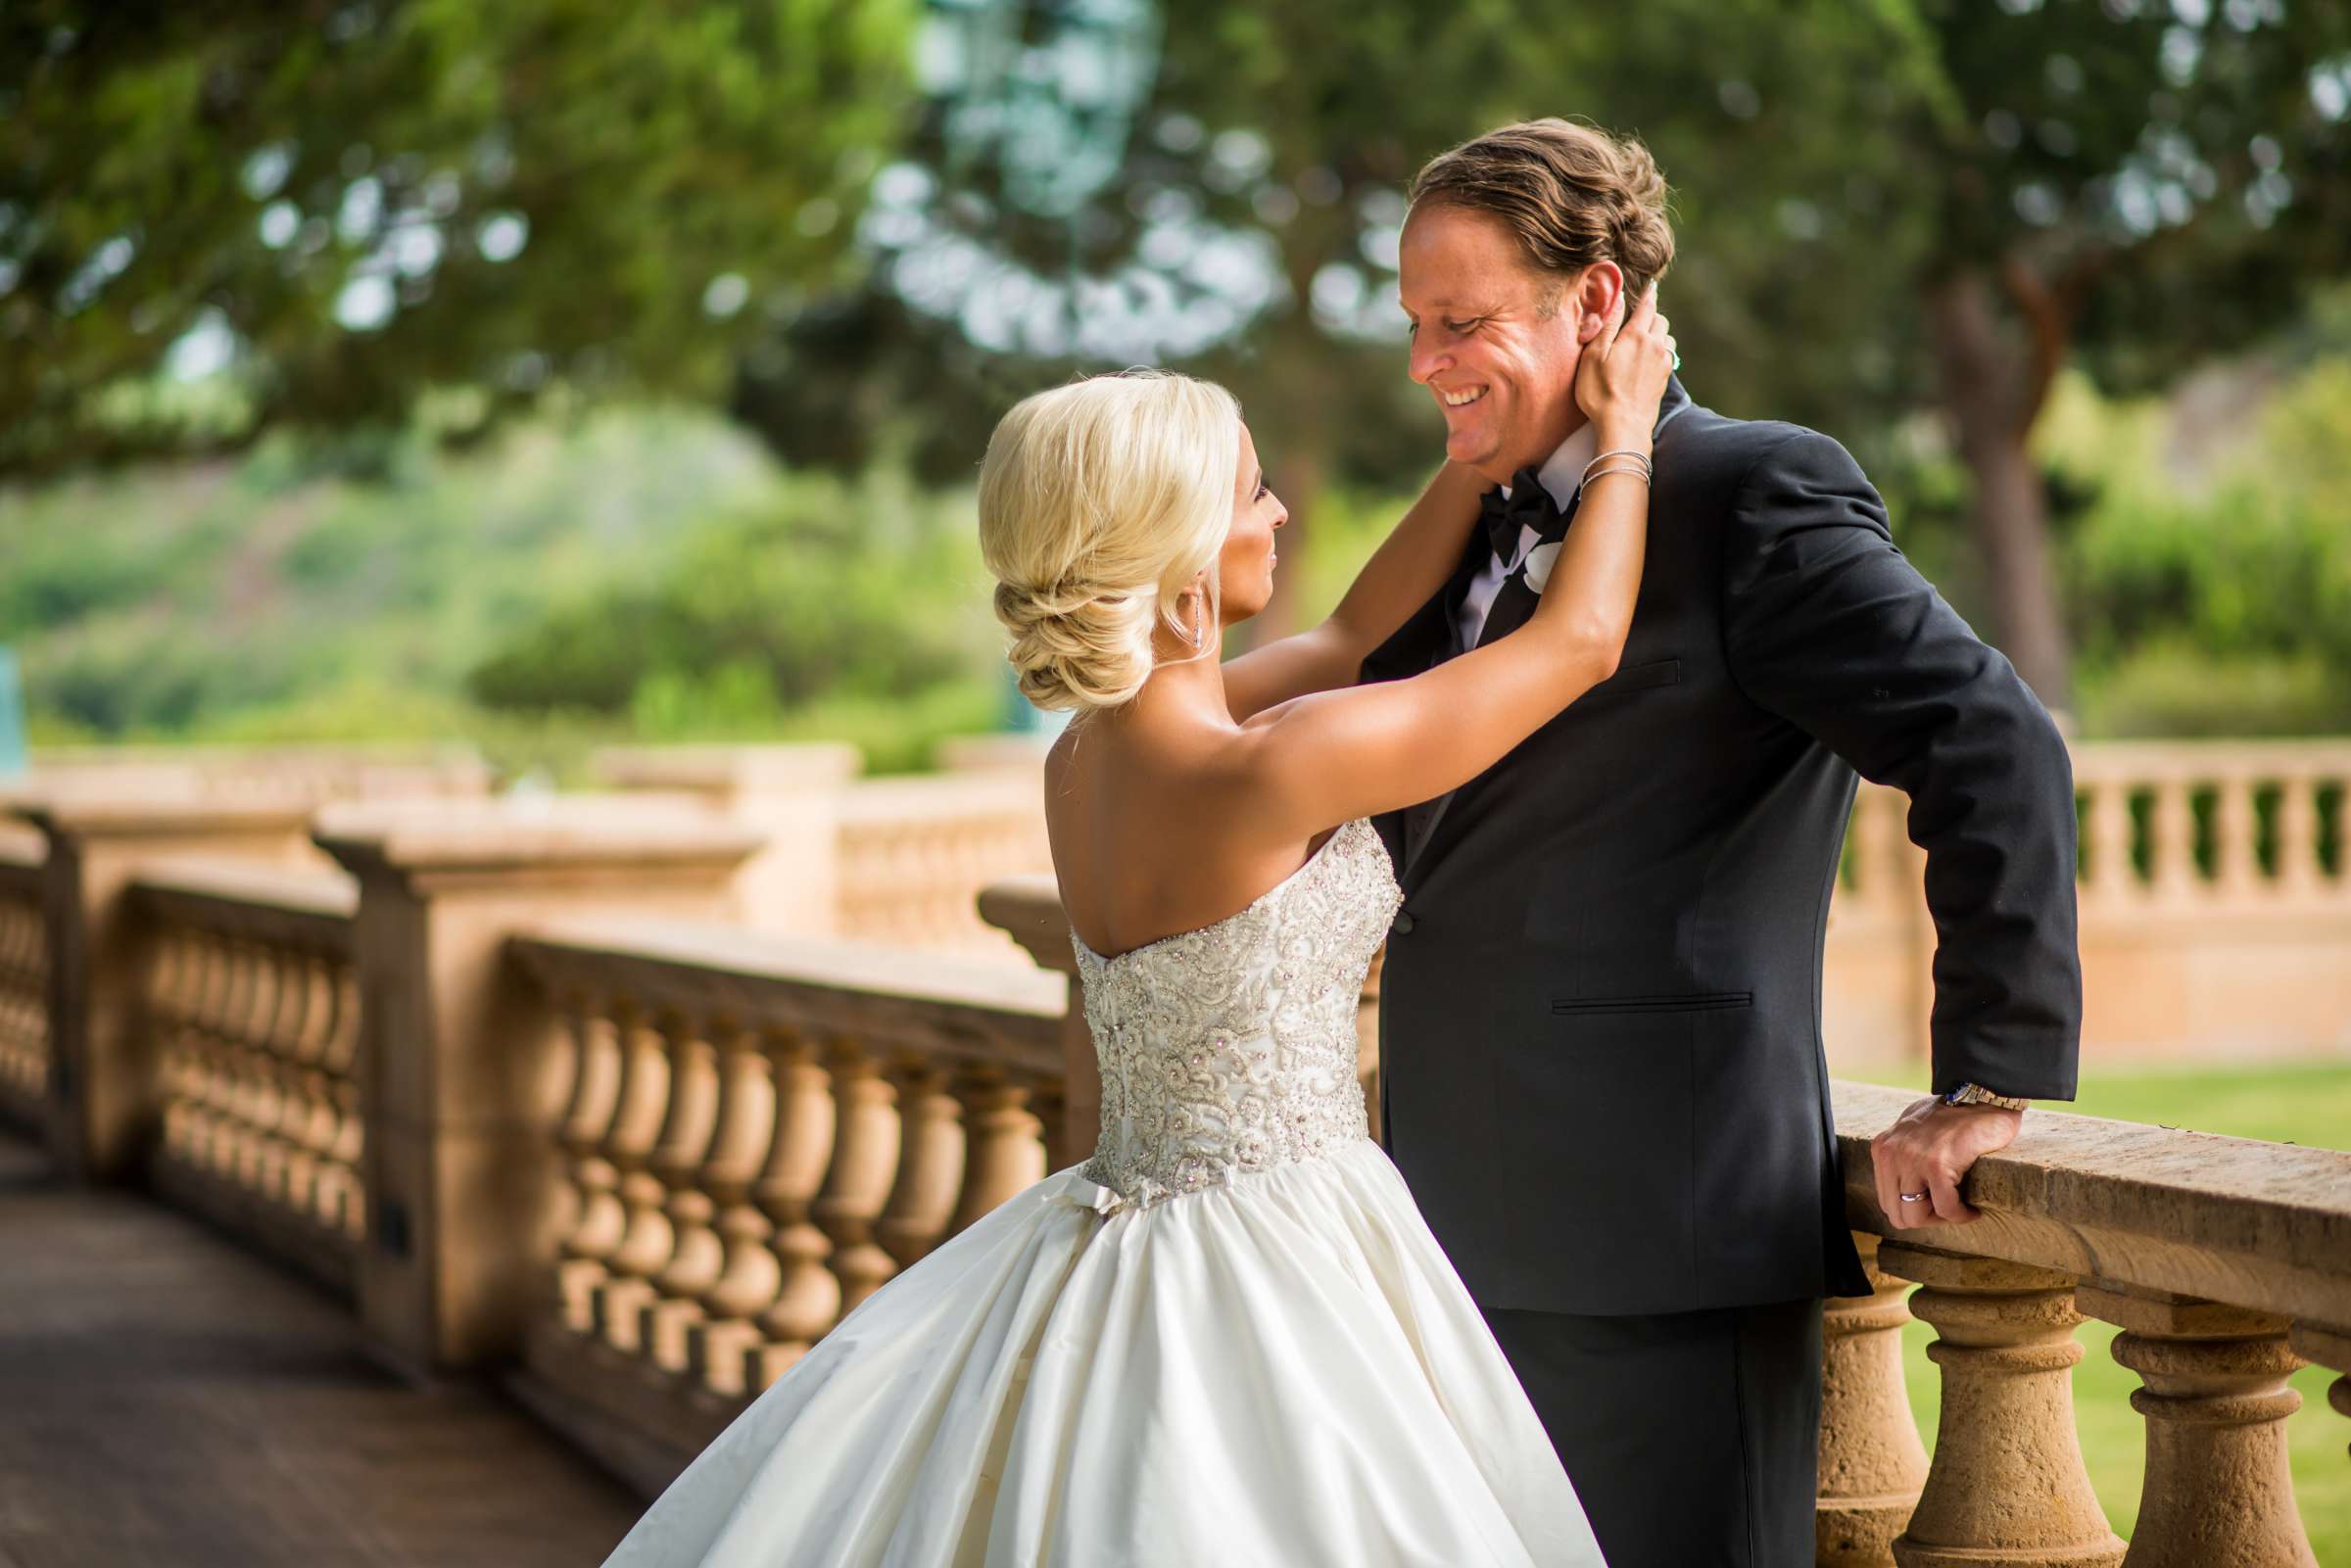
(2226, 1261)
(2215, 908)
(23, 984)
(250, 999)
(915, 851)
(758, 1133)
(523, 1090)
(279, 774)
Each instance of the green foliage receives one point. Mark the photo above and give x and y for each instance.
(818, 590)
(2209, 579)
(231, 587)
(374, 201)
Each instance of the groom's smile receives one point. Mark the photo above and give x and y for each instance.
(1493, 339)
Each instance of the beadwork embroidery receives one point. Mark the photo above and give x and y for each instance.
(1231, 1048)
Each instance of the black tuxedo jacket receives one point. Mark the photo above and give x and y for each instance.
(1600, 1015)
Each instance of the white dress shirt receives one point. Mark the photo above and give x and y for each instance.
(1561, 473)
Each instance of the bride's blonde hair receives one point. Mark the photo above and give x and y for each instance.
(1099, 504)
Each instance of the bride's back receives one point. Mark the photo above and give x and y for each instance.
(1147, 813)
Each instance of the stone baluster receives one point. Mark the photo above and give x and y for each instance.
(643, 1245)
(678, 1158)
(266, 1096)
(2006, 1488)
(749, 1272)
(2172, 841)
(311, 1137)
(177, 985)
(865, 1163)
(2218, 1492)
(931, 1163)
(224, 1036)
(214, 1082)
(341, 1195)
(283, 1116)
(1872, 1465)
(2299, 871)
(2107, 828)
(2328, 1347)
(240, 1069)
(190, 1127)
(597, 1220)
(1008, 1150)
(807, 1298)
(2237, 838)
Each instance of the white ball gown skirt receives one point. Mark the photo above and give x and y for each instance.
(1279, 1371)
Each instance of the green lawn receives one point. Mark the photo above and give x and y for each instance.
(2308, 1105)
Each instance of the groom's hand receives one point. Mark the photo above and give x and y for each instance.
(1930, 1149)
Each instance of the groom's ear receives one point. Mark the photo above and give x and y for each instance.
(1599, 299)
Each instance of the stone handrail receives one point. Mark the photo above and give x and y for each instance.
(759, 1132)
(250, 999)
(2227, 1261)
(23, 981)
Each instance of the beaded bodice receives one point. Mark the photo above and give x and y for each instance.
(1232, 1047)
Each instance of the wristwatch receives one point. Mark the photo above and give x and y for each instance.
(1977, 1094)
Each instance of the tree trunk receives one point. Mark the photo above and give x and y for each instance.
(1993, 388)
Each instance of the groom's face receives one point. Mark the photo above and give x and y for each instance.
(1494, 341)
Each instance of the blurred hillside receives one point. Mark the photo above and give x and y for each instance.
(639, 573)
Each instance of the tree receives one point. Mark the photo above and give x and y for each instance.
(356, 205)
(2135, 185)
(1243, 209)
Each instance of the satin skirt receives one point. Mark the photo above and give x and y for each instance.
(1280, 1372)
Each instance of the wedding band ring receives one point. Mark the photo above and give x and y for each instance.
(1914, 1197)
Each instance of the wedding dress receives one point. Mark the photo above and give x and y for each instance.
(1227, 1339)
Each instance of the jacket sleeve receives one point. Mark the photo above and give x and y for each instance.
(1827, 625)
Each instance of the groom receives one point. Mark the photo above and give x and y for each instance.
(1600, 1016)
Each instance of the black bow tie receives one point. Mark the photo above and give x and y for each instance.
(1528, 505)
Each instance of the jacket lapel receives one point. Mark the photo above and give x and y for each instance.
(1514, 607)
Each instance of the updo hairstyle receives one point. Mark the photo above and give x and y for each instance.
(1099, 501)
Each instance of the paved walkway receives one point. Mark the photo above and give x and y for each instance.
(168, 1401)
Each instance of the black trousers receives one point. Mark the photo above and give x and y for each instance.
(1693, 1438)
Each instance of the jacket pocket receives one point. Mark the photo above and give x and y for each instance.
(1687, 1002)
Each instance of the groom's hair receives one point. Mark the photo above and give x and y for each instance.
(1572, 194)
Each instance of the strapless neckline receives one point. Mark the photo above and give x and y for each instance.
(1242, 912)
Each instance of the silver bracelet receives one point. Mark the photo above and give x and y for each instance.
(1642, 474)
(1619, 452)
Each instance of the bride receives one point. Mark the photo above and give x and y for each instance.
(1228, 1336)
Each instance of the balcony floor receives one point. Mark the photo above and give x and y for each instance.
(166, 1400)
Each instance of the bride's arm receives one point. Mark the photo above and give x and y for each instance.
(1413, 563)
(1334, 756)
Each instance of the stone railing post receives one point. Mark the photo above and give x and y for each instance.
(1872, 1465)
(461, 1072)
(2218, 1492)
(2006, 1488)
(790, 794)
(1028, 909)
(104, 1084)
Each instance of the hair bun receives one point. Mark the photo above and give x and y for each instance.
(1076, 648)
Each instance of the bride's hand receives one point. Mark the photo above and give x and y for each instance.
(1620, 378)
